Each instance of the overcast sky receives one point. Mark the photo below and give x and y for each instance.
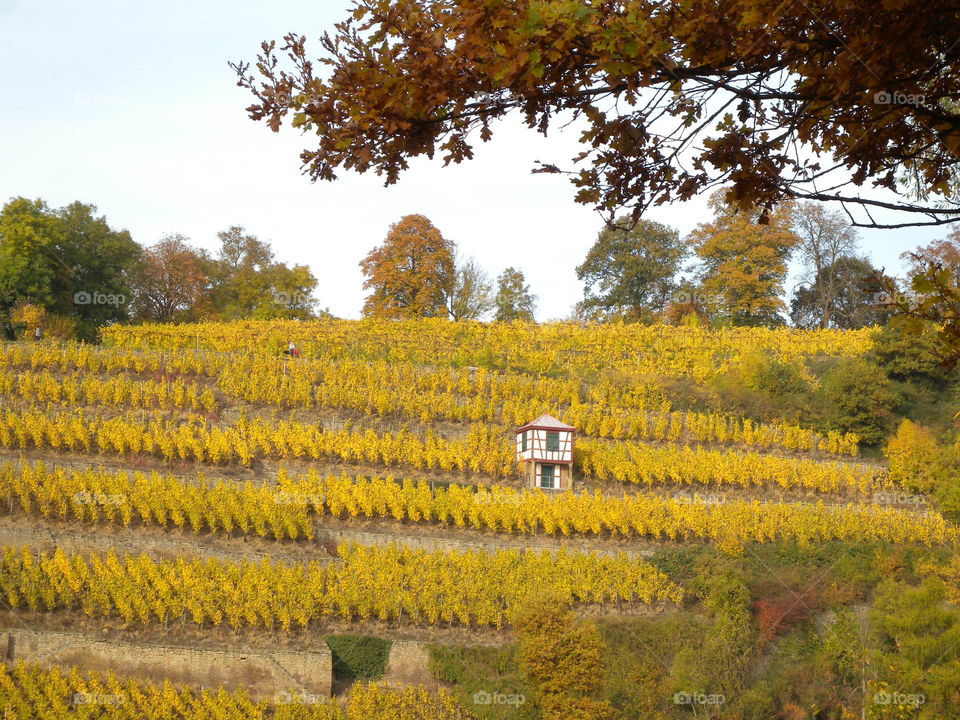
(131, 107)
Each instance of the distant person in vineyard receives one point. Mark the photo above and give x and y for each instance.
(291, 350)
(37, 334)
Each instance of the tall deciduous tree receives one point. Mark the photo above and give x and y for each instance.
(170, 281)
(630, 271)
(776, 99)
(825, 237)
(69, 261)
(409, 275)
(30, 238)
(469, 292)
(248, 282)
(857, 299)
(744, 264)
(944, 252)
(513, 300)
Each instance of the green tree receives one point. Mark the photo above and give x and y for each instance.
(409, 275)
(846, 294)
(469, 292)
(69, 261)
(912, 354)
(843, 661)
(630, 270)
(856, 396)
(514, 300)
(30, 236)
(825, 238)
(247, 282)
(97, 260)
(743, 264)
(718, 665)
(915, 650)
(900, 660)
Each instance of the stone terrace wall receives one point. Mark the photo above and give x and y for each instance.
(261, 673)
(408, 664)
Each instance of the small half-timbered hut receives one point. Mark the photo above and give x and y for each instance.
(545, 451)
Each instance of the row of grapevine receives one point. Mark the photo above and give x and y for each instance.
(695, 427)
(670, 464)
(32, 692)
(481, 450)
(605, 407)
(479, 396)
(116, 391)
(287, 511)
(556, 348)
(69, 357)
(729, 523)
(387, 583)
(99, 496)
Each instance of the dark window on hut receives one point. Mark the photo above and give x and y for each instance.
(553, 442)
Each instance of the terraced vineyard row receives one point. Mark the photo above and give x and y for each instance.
(29, 692)
(468, 396)
(288, 510)
(116, 391)
(561, 348)
(642, 464)
(386, 583)
(121, 498)
(484, 450)
(604, 408)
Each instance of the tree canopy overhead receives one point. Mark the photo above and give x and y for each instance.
(819, 99)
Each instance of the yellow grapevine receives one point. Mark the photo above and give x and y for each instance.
(29, 692)
(388, 583)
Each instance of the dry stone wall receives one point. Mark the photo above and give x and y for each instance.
(261, 673)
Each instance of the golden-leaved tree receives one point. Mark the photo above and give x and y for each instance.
(563, 658)
(743, 264)
(409, 274)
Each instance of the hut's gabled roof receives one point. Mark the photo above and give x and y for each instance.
(546, 422)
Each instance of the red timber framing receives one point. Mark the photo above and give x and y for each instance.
(545, 448)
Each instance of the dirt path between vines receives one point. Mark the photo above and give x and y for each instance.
(74, 538)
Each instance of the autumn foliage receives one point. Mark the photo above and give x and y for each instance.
(408, 275)
(563, 658)
(744, 264)
(804, 100)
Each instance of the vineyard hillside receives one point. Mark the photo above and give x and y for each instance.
(196, 487)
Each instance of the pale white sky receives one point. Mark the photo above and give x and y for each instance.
(131, 107)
